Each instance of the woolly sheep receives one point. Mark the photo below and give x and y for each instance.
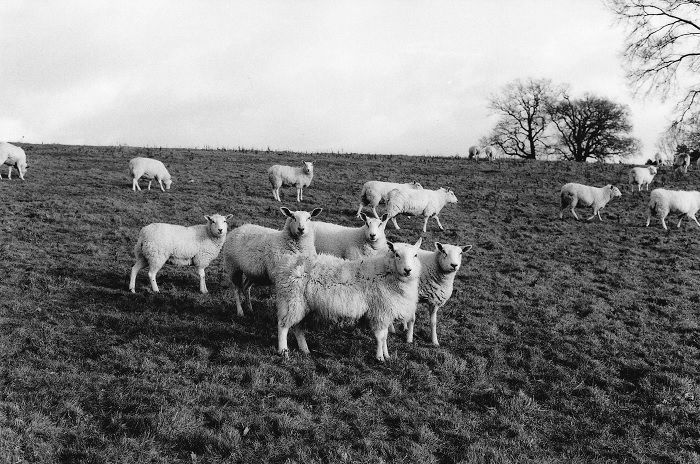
(150, 169)
(375, 191)
(642, 176)
(662, 202)
(490, 152)
(681, 163)
(252, 253)
(380, 289)
(474, 152)
(351, 242)
(426, 203)
(197, 245)
(572, 194)
(13, 155)
(299, 177)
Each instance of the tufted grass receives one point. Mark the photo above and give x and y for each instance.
(564, 341)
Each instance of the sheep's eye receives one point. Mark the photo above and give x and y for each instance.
(416, 255)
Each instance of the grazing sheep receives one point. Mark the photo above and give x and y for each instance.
(252, 253)
(150, 169)
(572, 194)
(490, 152)
(351, 242)
(281, 176)
(380, 288)
(13, 155)
(662, 202)
(198, 246)
(642, 176)
(681, 163)
(474, 152)
(375, 191)
(426, 203)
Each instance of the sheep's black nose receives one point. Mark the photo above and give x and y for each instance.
(454, 266)
(372, 236)
(407, 270)
(221, 230)
(301, 230)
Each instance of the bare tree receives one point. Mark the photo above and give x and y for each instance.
(592, 128)
(663, 48)
(521, 129)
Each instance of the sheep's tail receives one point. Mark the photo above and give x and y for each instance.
(652, 206)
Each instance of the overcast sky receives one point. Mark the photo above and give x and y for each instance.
(363, 76)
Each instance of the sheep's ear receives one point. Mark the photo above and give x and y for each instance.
(439, 247)
(316, 212)
(418, 243)
(385, 217)
(208, 218)
(228, 217)
(465, 249)
(390, 245)
(363, 216)
(286, 212)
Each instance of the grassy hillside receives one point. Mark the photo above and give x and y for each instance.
(564, 341)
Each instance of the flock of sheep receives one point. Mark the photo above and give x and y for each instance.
(341, 273)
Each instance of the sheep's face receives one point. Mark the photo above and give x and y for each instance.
(451, 197)
(168, 183)
(615, 191)
(298, 221)
(450, 256)
(652, 170)
(308, 167)
(415, 186)
(218, 225)
(374, 232)
(404, 258)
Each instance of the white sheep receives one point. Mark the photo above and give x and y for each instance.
(662, 202)
(474, 152)
(150, 169)
(351, 242)
(376, 191)
(13, 155)
(252, 253)
(426, 203)
(490, 152)
(299, 177)
(573, 194)
(197, 245)
(642, 176)
(380, 289)
(681, 163)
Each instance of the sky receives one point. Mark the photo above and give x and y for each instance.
(371, 76)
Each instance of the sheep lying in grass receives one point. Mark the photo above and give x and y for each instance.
(474, 152)
(375, 191)
(198, 246)
(150, 169)
(252, 253)
(381, 289)
(12, 155)
(573, 194)
(681, 163)
(426, 203)
(662, 202)
(281, 176)
(351, 242)
(642, 176)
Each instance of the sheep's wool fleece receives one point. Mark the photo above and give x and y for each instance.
(179, 244)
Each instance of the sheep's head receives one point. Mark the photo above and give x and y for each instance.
(652, 170)
(614, 191)
(404, 258)
(450, 256)
(168, 182)
(298, 221)
(374, 232)
(308, 167)
(415, 185)
(217, 224)
(449, 195)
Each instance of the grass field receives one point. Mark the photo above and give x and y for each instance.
(564, 341)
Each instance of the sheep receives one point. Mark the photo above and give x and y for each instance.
(13, 155)
(281, 176)
(426, 203)
(572, 194)
(662, 202)
(196, 245)
(351, 242)
(380, 289)
(642, 176)
(150, 169)
(681, 163)
(474, 152)
(375, 191)
(251, 253)
(490, 152)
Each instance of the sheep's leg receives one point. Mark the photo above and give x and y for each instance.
(140, 264)
(202, 282)
(433, 325)
(393, 220)
(247, 284)
(301, 339)
(9, 173)
(359, 210)
(409, 329)
(595, 213)
(648, 219)
(663, 222)
(425, 224)
(149, 184)
(599, 218)
(160, 182)
(152, 277)
(134, 184)
(21, 173)
(381, 335)
(437, 218)
(391, 328)
(680, 219)
(573, 211)
(282, 347)
(301, 194)
(239, 308)
(385, 347)
(696, 220)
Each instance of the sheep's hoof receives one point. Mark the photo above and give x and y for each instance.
(380, 359)
(284, 353)
(132, 290)
(436, 344)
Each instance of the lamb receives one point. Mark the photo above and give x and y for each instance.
(351, 242)
(681, 163)
(252, 253)
(375, 191)
(426, 203)
(662, 202)
(13, 155)
(642, 176)
(197, 245)
(572, 194)
(150, 169)
(490, 152)
(474, 152)
(281, 176)
(381, 289)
